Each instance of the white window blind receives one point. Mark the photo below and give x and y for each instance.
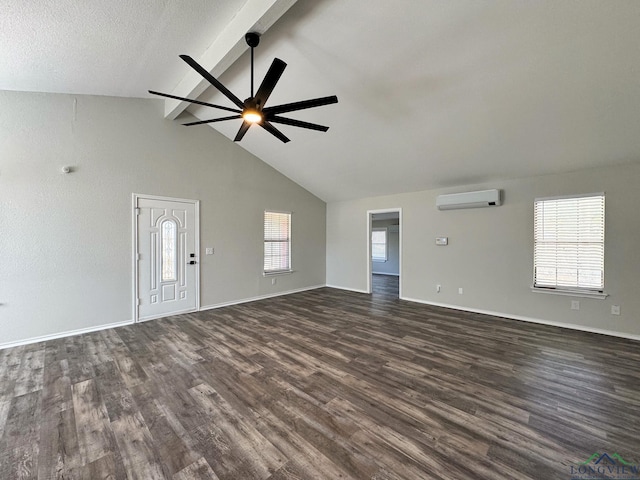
(379, 244)
(569, 243)
(277, 242)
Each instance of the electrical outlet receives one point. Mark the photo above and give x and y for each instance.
(209, 251)
(460, 291)
(274, 280)
(615, 309)
(438, 288)
(575, 305)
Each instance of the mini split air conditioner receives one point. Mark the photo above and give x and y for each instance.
(483, 198)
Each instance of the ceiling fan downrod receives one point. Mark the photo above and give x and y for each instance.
(252, 39)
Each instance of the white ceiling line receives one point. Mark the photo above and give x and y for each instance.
(256, 15)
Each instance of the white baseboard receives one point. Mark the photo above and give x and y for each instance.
(260, 297)
(69, 333)
(571, 326)
(385, 273)
(348, 289)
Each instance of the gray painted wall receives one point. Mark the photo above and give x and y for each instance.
(490, 252)
(65, 240)
(392, 265)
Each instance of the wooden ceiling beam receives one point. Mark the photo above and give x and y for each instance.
(255, 16)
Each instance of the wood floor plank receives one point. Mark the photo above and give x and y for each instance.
(30, 375)
(19, 463)
(256, 396)
(56, 392)
(59, 454)
(259, 455)
(81, 367)
(4, 414)
(21, 427)
(108, 467)
(9, 368)
(198, 470)
(135, 443)
(19, 445)
(175, 447)
(318, 385)
(95, 437)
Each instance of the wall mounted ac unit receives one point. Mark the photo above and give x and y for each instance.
(483, 198)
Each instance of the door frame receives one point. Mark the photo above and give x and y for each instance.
(370, 213)
(134, 246)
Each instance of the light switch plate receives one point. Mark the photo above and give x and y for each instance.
(208, 251)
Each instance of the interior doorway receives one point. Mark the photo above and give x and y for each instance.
(384, 252)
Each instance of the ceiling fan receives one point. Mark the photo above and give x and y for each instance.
(253, 110)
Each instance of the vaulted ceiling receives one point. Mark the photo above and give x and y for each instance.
(431, 93)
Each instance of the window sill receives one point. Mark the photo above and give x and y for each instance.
(279, 272)
(379, 261)
(570, 293)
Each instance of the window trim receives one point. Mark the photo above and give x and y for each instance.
(286, 271)
(386, 244)
(568, 291)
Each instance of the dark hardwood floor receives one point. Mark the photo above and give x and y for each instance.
(387, 285)
(323, 384)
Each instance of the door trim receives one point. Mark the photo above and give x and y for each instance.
(369, 227)
(134, 247)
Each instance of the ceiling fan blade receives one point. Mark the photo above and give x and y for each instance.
(221, 119)
(235, 110)
(291, 107)
(243, 129)
(273, 131)
(212, 80)
(297, 123)
(269, 81)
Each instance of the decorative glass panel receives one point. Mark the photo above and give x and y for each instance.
(169, 248)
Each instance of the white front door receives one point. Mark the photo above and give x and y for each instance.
(167, 268)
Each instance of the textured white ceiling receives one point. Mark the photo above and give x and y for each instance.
(432, 93)
(115, 47)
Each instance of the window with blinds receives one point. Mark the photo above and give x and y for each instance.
(379, 244)
(569, 243)
(277, 242)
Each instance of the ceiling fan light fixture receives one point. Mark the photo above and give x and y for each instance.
(252, 116)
